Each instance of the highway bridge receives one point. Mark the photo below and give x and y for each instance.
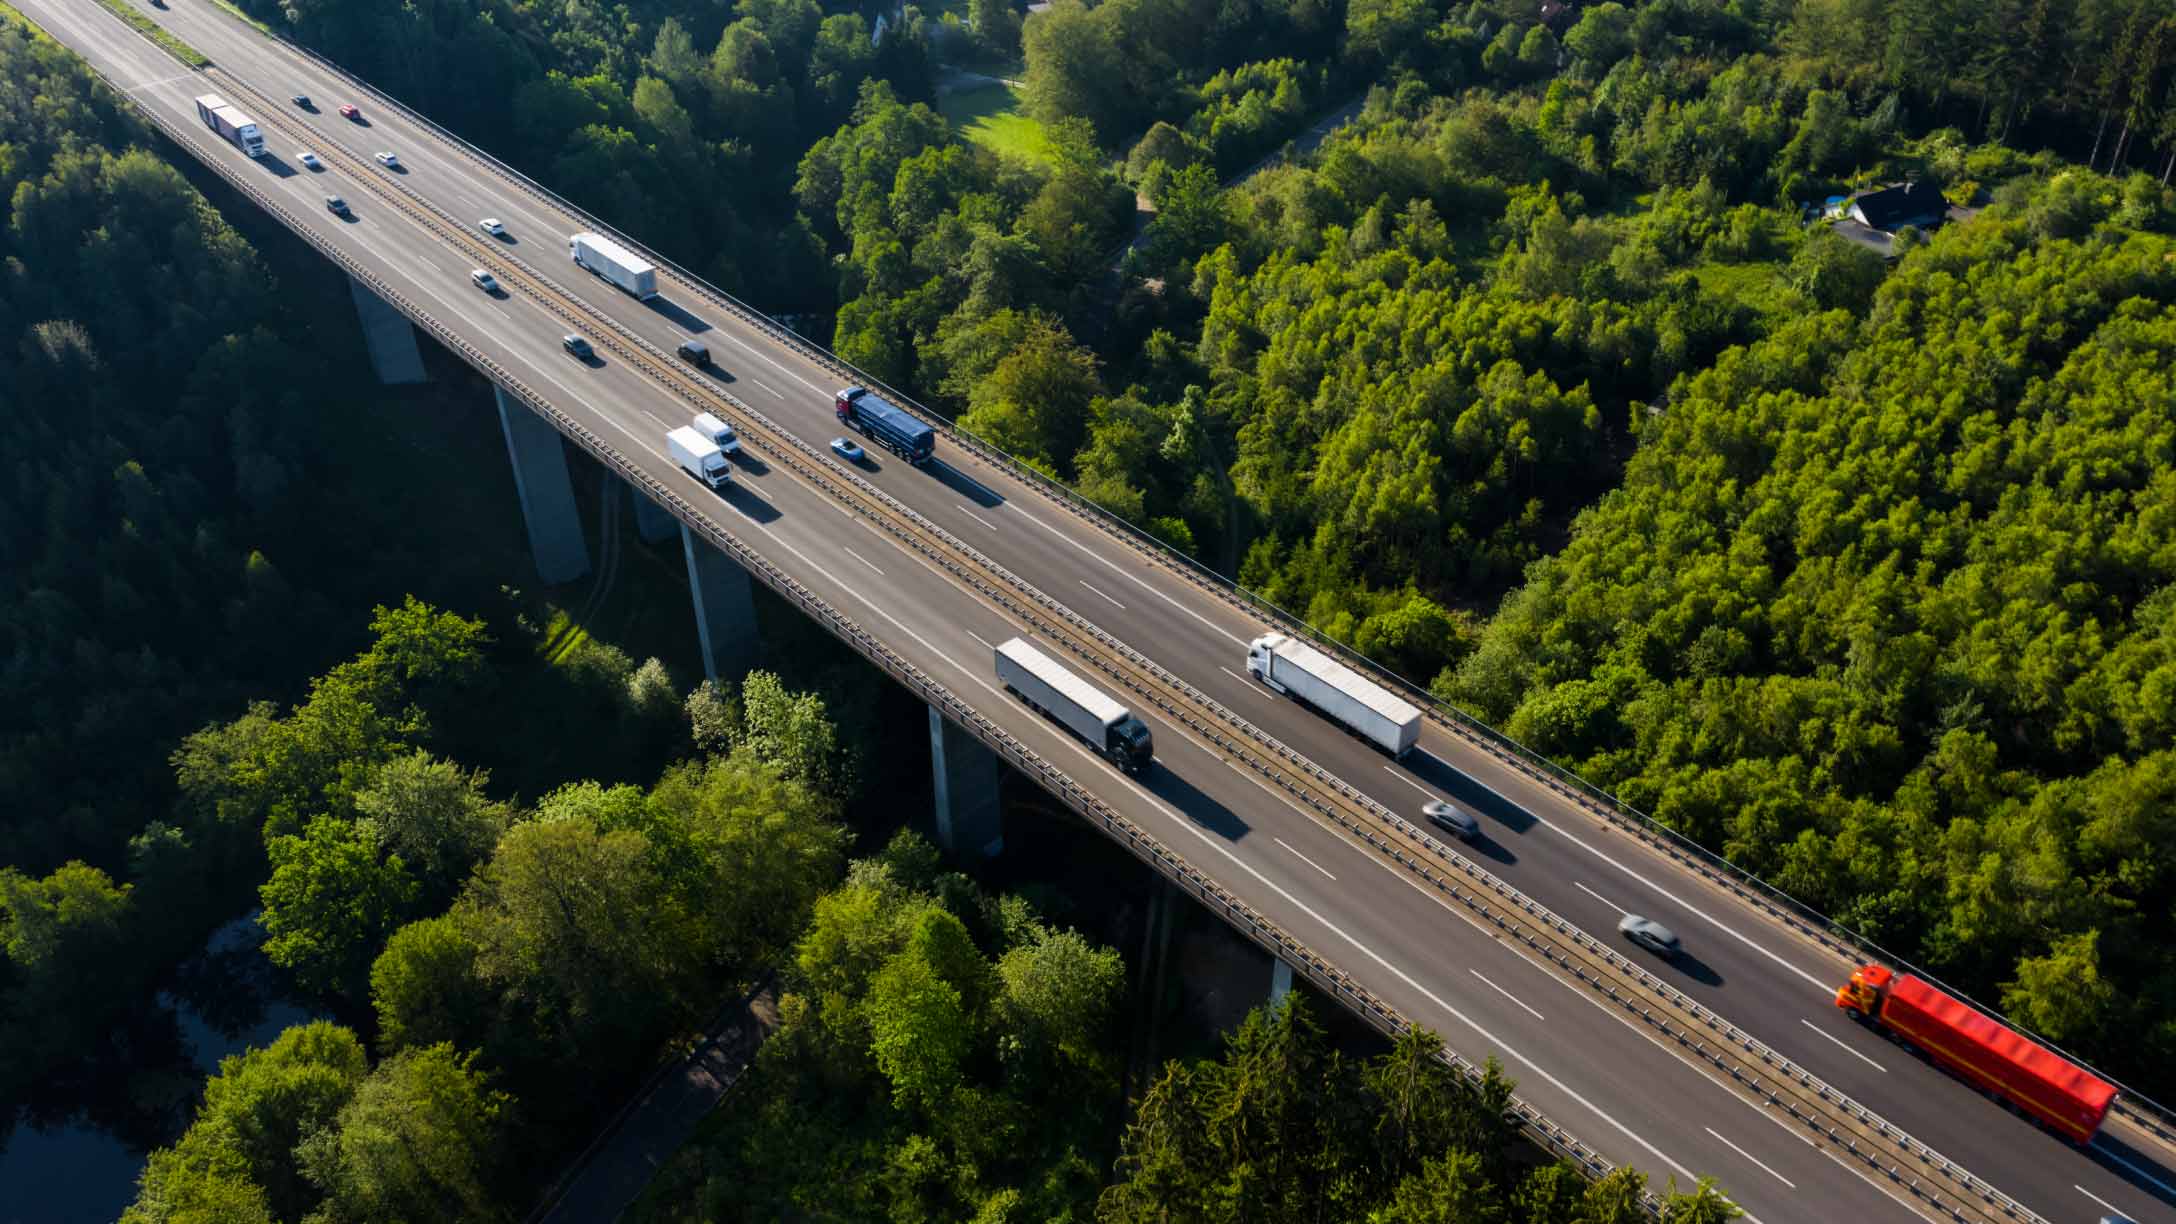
(1731, 1063)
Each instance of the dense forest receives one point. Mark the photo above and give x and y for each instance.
(1542, 382)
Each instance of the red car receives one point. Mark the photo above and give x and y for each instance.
(348, 111)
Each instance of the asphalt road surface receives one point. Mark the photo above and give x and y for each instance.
(1613, 1084)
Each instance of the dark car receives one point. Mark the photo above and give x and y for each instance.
(695, 351)
(1452, 819)
(301, 100)
(338, 206)
(575, 345)
(1651, 935)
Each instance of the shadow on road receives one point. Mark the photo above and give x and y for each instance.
(1197, 807)
(278, 165)
(1433, 771)
(964, 485)
(748, 462)
(1489, 848)
(1695, 968)
(744, 499)
(680, 317)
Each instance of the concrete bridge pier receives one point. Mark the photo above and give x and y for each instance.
(966, 783)
(547, 494)
(652, 521)
(1280, 981)
(725, 611)
(389, 336)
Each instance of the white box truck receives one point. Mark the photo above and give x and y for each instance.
(1078, 706)
(615, 263)
(717, 431)
(238, 128)
(1370, 711)
(699, 457)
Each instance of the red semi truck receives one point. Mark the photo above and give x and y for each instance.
(2064, 1095)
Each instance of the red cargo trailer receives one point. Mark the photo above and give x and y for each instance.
(1997, 1058)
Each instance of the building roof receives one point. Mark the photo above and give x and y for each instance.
(1893, 208)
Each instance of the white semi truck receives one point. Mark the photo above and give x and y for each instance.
(1080, 707)
(699, 457)
(615, 263)
(216, 114)
(1370, 711)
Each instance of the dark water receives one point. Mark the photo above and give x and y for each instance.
(74, 1159)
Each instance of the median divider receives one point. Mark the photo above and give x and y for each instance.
(1325, 976)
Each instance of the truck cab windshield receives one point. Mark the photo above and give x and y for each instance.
(1136, 734)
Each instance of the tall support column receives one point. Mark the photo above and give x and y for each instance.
(389, 336)
(966, 783)
(1280, 981)
(652, 521)
(547, 494)
(725, 612)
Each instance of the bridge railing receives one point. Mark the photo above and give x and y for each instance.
(1745, 885)
(1550, 1135)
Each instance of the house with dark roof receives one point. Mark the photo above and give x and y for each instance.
(1892, 208)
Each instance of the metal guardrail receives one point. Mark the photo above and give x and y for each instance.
(1550, 1135)
(1749, 888)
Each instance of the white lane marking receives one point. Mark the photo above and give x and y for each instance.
(1234, 675)
(2098, 1199)
(864, 560)
(1505, 993)
(1303, 858)
(1599, 897)
(1392, 770)
(978, 637)
(1235, 638)
(767, 387)
(1107, 599)
(1749, 1156)
(978, 518)
(1825, 987)
(162, 81)
(1846, 1049)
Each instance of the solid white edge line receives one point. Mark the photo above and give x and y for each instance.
(864, 560)
(1599, 897)
(766, 386)
(1750, 1156)
(1505, 993)
(1138, 580)
(1303, 858)
(1841, 1046)
(1824, 987)
(1234, 675)
(2137, 1172)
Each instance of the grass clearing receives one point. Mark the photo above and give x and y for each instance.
(156, 33)
(991, 117)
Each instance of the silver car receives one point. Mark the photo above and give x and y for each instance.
(1651, 935)
(1452, 819)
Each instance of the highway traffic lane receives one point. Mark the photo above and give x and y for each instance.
(1810, 1061)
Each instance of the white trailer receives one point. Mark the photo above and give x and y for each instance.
(615, 263)
(1080, 707)
(239, 129)
(699, 457)
(1372, 712)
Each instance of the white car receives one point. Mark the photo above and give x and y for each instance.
(389, 160)
(492, 226)
(485, 281)
(309, 160)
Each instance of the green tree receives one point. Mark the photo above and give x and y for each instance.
(417, 1141)
(434, 816)
(334, 895)
(919, 1030)
(425, 986)
(1034, 403)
